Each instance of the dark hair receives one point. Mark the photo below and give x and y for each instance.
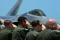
(7, 21)
(35, 23)
(20, 19)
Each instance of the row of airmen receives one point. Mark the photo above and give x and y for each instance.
(30, 31)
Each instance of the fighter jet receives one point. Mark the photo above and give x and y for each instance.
(11, 15)
(35, 14)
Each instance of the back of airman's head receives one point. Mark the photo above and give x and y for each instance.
(35, 23)
(7, 22)
(51, 21)
(51, 24)
(20, 19)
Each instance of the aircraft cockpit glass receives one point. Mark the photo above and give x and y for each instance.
(37, 12)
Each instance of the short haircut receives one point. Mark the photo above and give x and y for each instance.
(7, 21)
(35, 23)
(20, 19)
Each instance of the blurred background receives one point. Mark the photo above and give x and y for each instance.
(50, 7)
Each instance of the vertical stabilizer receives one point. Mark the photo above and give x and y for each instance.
(15, 8)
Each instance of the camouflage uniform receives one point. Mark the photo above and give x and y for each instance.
(6, 34)
(19, 33)
(49, 35)
(31, 35)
